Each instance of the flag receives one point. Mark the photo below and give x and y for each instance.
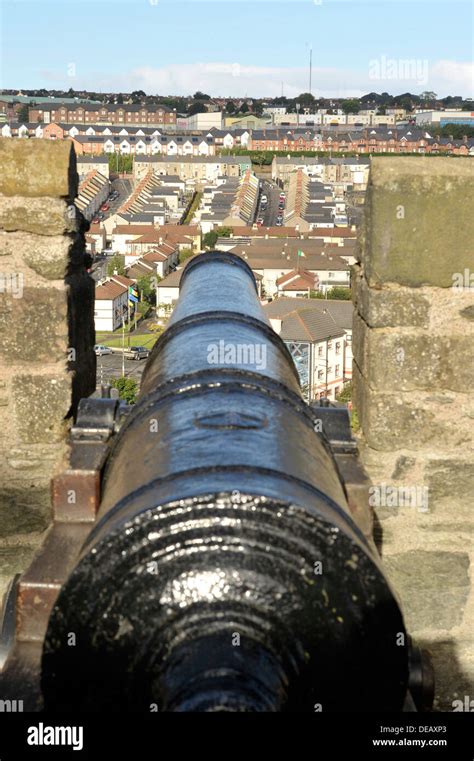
(300, 253)
(133, 294)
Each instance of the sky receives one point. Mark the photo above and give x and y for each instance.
(229, 48)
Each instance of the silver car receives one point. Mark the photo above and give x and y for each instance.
(100, 350)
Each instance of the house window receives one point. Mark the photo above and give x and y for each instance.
(320, 374)
(329, 345)
(338, 368)
(336, 390)
(338, 347)
(320, 351)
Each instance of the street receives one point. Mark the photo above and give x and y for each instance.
(109, 366)
(272, 191)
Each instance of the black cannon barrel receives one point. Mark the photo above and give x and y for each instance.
(224, 572)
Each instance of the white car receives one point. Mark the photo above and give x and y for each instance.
(100, 350)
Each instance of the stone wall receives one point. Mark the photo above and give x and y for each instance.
(47, 361)
(413, 393)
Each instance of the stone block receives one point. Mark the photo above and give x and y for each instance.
(38, 168)
(41, 403)
(433, 586)
(412, 205)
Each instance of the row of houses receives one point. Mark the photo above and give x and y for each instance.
(282, 268)
(375, 140)
(94, 190)
(231, 201)
(342, 173)
(199, 170)
(101, 113)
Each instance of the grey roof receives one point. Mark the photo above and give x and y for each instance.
(92, 159)
(195, 159)
(310, 319)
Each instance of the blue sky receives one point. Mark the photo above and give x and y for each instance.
(238, 48)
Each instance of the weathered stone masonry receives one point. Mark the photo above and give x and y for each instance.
(413, 391)
(47, 361)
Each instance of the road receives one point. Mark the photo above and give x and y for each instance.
(272, 191)
(124, 189)
(109, 366)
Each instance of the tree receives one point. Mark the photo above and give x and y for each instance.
(197, 108)
(127, 388)
(351, 106)
(116, 266)
(428, 95)
(316, 295)
(224, 232)
(210, 239)
(23, 113)
(340, 292)
(244, 109)
(230, 107)
(120, 98)
(346, 393)
(146, 288)
(305, 99)
(201, 96)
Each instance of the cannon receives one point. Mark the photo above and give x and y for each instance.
(217, 554)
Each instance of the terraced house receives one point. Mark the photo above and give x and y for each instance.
(104, 113)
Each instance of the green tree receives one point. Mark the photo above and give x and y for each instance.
(127, 388)
(224, 232)
(116, 266)
(346, 394)
(244, 109)
(340, 292)
(316, 295)
(146, 288)
(230, 107)
(197, 108)
(305, 99)
(351, 106)
(22, 113)
(201, 96)
(120, 162)
(428, 95)
(210, 239)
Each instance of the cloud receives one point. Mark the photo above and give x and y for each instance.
(238, 80)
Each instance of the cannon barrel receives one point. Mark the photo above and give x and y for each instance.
(224, 572)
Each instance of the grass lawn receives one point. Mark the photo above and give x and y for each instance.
(148, 341)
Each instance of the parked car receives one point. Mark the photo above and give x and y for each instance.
(101, 216)
(95, 221)
(105, 207)
(100, 350)
(137, 352)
